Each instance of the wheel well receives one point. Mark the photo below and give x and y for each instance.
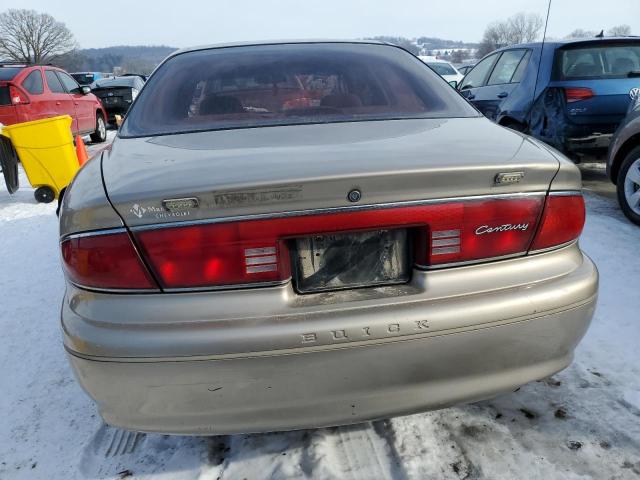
(631, 143)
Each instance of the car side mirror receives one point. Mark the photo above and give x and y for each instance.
(85, 90)
(453, 83)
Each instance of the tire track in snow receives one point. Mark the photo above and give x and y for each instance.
(362, 453)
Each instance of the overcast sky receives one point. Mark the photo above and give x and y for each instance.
(195, 22)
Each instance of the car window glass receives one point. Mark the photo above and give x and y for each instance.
(68, 82)
(33, 83)
(506, 67)
(477, 76)
(601, 61)
(442, 68)
(288, 84)
(53, 82)
(7, 73)
(522, 66)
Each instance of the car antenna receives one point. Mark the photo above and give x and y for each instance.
(535, 85)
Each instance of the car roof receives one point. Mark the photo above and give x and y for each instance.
(277, 42)
(122, 81)
(570, 41)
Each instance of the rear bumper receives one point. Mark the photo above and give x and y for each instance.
(596, 142)
(415, 356)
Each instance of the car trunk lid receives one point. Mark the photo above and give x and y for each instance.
(294, 168)
(327, 206)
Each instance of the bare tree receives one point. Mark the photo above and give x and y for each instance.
(29, 36)
(520, 28)
(580, 33)
(524, 27)
(619, 31)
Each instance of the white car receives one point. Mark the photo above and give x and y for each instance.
(444, 69)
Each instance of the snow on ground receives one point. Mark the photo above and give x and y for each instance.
(582, 423)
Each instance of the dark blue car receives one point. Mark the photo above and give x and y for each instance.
(582, 93)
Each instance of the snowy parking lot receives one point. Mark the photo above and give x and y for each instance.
(582, 423)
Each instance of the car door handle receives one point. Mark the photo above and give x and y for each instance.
(76, 103)
(58, 103)
(503, 95)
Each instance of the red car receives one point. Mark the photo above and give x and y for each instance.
(35, 92)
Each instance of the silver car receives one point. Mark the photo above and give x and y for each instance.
(296, 235)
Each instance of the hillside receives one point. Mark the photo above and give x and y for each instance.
(125, 58)
(144, 58)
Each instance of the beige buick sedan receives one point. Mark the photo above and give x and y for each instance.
(303, 234)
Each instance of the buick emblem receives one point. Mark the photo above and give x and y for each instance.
(634, 93)
(354, 195)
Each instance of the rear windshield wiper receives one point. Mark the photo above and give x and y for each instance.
(633, 73)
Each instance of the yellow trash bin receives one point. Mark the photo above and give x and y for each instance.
(46, 151)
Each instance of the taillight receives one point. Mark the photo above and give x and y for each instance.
(257, 251)
(562, 221)
(105, 261)
(18, 97)
(483, 230)
(575, 94)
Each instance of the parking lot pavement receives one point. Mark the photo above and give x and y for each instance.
(582, 423)
(595, 180)
(94, 148)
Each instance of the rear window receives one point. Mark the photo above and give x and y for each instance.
(83, 78)
(288, 84)
(5, 96)
(7, 73)
(597, 61)
(442, 68)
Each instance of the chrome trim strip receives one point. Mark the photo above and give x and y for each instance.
(123, 291)
(555, 247)
(565, 193)
(93, 233)
(320, 211)
(227, 287)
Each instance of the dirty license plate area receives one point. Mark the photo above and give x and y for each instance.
(350, 260)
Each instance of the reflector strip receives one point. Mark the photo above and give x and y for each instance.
(262, 268)
(260, 260)
(257, 260)
(445, 242)
(445, 250)
(249, 252)
(445, 234)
